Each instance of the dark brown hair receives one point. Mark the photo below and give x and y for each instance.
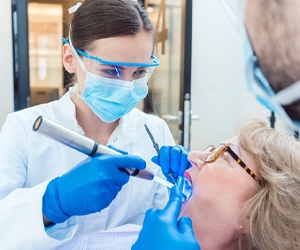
(98, 19)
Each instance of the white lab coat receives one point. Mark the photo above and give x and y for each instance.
(29, 160)
(119, 238)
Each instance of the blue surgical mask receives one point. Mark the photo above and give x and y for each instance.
(260, 87)
(111, 98)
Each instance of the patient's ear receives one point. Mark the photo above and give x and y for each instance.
(243, 227)
(68, 59)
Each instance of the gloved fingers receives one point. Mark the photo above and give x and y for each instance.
(150, 216)
(175, 160)
(172, 159)
(107, 168)
(113, 164)
(155, 159)
(164, 159)
(179, 160)
(129, 161)
(184, 151)
(118, 150)
(118, 179)
(172, 209)
(184, 225)
(152, 211)
(184, 162)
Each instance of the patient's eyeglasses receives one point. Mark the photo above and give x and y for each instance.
(216, 153)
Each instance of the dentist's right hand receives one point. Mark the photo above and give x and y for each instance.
(87, 188)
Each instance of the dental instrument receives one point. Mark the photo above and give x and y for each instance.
(156, 147)
(83, 144)
(187, 189)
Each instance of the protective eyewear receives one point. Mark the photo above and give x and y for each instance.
(114, 70)
(216, 153)
(260, 87)
(153, 63)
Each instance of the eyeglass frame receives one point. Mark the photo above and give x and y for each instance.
(84, 54)
(225, 148)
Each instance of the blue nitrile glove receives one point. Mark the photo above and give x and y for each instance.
(89, 187)
(163, 231)
(172, 159)
(118, 150)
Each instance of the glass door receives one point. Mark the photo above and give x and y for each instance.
(169, 86)
(45, 28)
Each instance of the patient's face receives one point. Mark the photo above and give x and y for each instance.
(219, 191)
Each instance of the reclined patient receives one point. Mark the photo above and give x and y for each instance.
(246, 195)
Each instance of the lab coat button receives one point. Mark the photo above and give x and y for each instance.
(115, 139)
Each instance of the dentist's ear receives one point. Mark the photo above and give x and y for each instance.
(68, 59)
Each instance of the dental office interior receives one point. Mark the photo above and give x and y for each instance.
(199, 88)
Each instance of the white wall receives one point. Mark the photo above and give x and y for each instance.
(6, 70)
(219, 95)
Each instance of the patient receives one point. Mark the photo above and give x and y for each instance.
(246, 195)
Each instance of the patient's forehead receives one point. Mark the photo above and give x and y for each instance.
(232, 141)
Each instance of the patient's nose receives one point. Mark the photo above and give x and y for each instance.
(197, 158)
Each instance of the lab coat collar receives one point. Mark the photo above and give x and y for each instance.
(69, 110)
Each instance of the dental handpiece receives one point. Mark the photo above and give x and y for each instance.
(82, 143)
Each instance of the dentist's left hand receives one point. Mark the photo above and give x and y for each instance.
(163, 231)
(172, 159)
(89, 187)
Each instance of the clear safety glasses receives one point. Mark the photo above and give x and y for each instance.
(114, 70)
(215, 153)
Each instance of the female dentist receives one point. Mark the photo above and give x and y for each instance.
(50, 193)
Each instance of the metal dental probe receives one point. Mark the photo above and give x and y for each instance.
(156, 147)
(82, 143)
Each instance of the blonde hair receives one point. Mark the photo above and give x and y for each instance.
(273, 214)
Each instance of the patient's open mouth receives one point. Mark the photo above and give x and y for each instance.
(187, 189)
